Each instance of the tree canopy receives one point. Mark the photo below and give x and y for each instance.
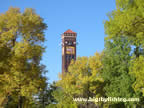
(83, 78)
(21, 38)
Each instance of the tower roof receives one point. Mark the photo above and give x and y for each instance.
(69, 31)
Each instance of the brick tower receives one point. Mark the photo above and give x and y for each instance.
(68, 49)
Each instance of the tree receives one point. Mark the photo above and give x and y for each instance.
(45, 97)
(83, 79)
(21, 38)
(116, 61)
(137, 70)
(63, 99)
(128, 21)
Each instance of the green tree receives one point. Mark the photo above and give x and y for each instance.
(45, 97)
(137, 70)
(21, 74)
(128, 21)
(116, 61)
(63, 99)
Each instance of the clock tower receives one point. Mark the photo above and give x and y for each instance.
(68, 49)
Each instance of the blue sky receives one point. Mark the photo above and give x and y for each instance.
(85, 17)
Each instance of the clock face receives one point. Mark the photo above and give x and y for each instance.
(70, 50)
(66, 42)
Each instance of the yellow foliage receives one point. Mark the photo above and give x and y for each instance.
(84, 72)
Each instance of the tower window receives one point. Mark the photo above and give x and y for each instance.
(70, 43)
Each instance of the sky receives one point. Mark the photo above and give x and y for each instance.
(85, 17)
